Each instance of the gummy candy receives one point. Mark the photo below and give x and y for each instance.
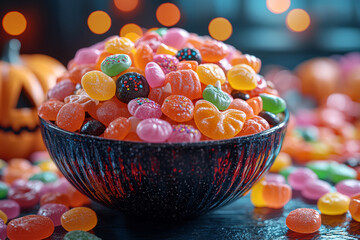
(298, 178)
(118, 129)
(315, 189)
(349, 187)
(115, 64)
(242, 105)
(276, 195)
(303, 220)
(354, 207)
(80, 235)
(216, 96)
(93, 127)
(179, 108)
(143, 55)
(213, 51)
(242, 77)
(273, 103)
(256, 196)
(333, 203)
(143, 108)
(70, 117)
(184, 133)
(184, 82)
(271, 118)
(119, 45)
(189, 54)
(54, 211)
(57, 197)
(30, 227)
(49, 110)
(154, 75)
(98, 85)
(175, 37)
(61, 90)
(256, 104)
(154, 130)
(252, 61)
(183, 65)
(210, 73)
(79, 218)
(166, 62)
(254, 125)
(282, 161)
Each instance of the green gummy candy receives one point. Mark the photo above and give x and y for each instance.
(45, 177)
(339, 172)
(4, 188)
(287, 171)
(115, 64)
(273, 103)
(161, 31)
(80, 235)
(309, 134)
(320, 168)
(217, 97)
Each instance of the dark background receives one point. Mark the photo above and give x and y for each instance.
(59, 27)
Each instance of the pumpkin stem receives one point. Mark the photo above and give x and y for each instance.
(11, 52)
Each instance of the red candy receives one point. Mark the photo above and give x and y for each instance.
(31, 227)
(70, 117)
(303, 220)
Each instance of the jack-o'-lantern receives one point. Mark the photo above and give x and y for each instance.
(24, 81)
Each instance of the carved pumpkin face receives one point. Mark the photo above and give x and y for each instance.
(23, 88)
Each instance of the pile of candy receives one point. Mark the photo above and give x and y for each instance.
(168, 86)
(313, 182)
(38, 184)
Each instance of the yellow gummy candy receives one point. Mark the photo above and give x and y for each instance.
(210, 73)
(256, 195)
(282, 161)
(119, 45)
(242, 77)
(165, 49)
(333, 203)
(98, 85)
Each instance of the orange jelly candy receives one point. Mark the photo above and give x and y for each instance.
(165, 49)
(158, 95)
(213, 51)
(303, 220)
(55, 197)
(183, 65)
(30, 227)
(252, 61)
(49, 110)
(84, 100)
(254, 125)
(119, 45)
(77, 72)
(70, 117)
(98, 85)
(215, 124)
(143, 55)
(103, 55)
(184, 82)
(242, 105)
(179, 108)
(110, 110)
(118, 129)
(210, 73)
(256, 104)
(77, 199)
(354, 207)
(79, 218)
(276, 195)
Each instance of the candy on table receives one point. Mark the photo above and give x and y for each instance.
(18, 168)
(166, 62)
(79, 218)
(256, 196)
(93, 127)
(179, 108)
(110, 110)
(25, 196)
(252, 61)
(272, 103)
(184, 82)
(154, 75)
(242, 105)
(189, 54)
(183, 65)
(354, 207)
(80, 235)
(86, 56)
(32, 184)
(131, 85)
(119, 45)
(254, 125)
(55, 197)
(143, 55)
(175, 37)
(49, 110)
(333, 203)
(213, 51)
(3, 229)
(216, 96)
(256, 104)
(303, 220)
(118, 129)
(61, 90)
(4, 189)
(61, 185)
(315, 189)
(143, 108)
(300, 176)
(184, 133)
(3, 217)
(282, 161)
(115, 64)
(349, 187)
(10, 208)
(339, 172)
(276, 195)
(45, 177)
(242, 77)
(165, 49)
(271, 118)
(215, 124)
(320, 168)
(30, 227)
(54, 211)
(241, 95)
(98, 85)
(274, 178)
(154, 130)
(70, 117)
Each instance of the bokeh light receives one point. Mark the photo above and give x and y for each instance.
(298, 20)
(131, 31)
(126, 5)
(278, 6)
(14, 23)
(220, 29)
(99, 22)
(168, 14)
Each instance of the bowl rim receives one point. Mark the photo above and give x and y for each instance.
(282, 124)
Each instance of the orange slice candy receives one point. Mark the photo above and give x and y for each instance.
(184, 82)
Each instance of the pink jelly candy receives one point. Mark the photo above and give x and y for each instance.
(61, 90)
(25, 196)
(315, 189)
(33, 184)
(2, 229)
(184, 133)
(86, 56)
(298, 178)
(166, 62)
(10, 208)
(349, 187)
(155, 76)
(274, 178)
(154, 130)
(61, 186)
(54, 211)
(144, 108)
(175, 37)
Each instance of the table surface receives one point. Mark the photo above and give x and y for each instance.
(239, 220)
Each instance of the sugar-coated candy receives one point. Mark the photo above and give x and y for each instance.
(143, 55)
(315, 189)
(25, 196)
(242, 105)
(247, 59)
(49, 110)
(242, 77)
(175, 37)
(274, 178)
(54, 211)
(154, 75)
(213, 51)
(115, 64)
(184, 82)
(119, 45)
(79, 218)
(61, 90)
(93, 127)
(256, 196)
(3, 229)
(77, 72)
(84, 100)
(354, 207)
(159, 94)
(144, 108)
(165, 49)
(10, 208)
(256, 104)
(210, 73)
(215, 124)
(86, 56)
(271, 118)
(260, 88)
(166, 62)
(33, 184)
(55, 197)
(320, 168)
(238, 94)
(298, 178)
(339, 172)
(282, 161)
(3, 217)
(276, 195)
(254, 125)
(189, 54)
(272, 103)
(216, 96)
(70, 117)
(179, 108)
(349, 187)
(333, 203)
(80, 235)
(30, 227)
(303, 220)
(154, 130)
(4, 189)
(131, 85)
(183, 65)
(118, 129)
(45, 177)
(98, 85)
(184, 133)
(110, 110)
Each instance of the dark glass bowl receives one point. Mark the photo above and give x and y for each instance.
(163, 180)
